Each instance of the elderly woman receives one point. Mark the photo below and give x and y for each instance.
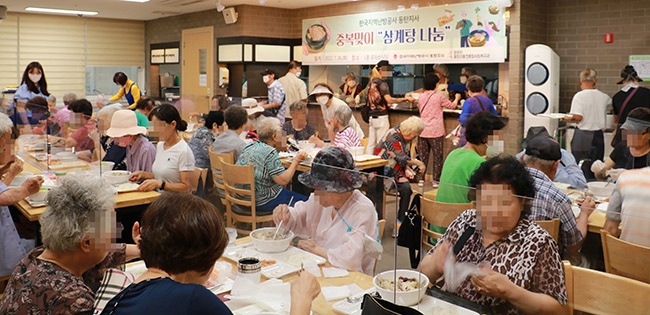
(396, 147)
(462, 162)
(630, 154)
(174, 159)
(431, 104)
(270, 174)
(339, 130)
(181, 238)
(140, 153)
(109, 149)
(142, 110)
(350, 88)
(77, 228)
(11, 250)
(328, 104)
(298, 127)
(203, 138)
(524, 272)
(337, 217)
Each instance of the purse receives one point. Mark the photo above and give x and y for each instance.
(376, 306)
(410, 232)
(618, 128)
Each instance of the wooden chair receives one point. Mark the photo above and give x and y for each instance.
(382, 226)
(597, 292)
(198, 173)
(364, 142)
(439, 214)
(239, 184)
(215, 165)
(552, 227)
(625, 259)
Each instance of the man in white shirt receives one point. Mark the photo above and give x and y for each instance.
(589, 109)
(294, 87)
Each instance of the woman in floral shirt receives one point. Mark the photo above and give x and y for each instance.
(520, 271)
(204, 137)
(76, 227)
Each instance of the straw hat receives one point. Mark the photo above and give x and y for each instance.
(251, 107)
(124, 123)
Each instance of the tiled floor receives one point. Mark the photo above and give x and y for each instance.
(388, 261)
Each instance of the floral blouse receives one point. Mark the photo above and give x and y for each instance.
(199, 144)
(528, 257)
(41, 287)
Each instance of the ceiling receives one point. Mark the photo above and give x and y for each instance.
(154, 9)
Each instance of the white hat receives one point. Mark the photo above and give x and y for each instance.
(321, 90)
(250, 104)
(123, 123)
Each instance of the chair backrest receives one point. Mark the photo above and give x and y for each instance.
(198, 173)
(597, 292)
(215, 165)
(551, 226)
(364, 142)
(439, 214)
(625, 259)
(382, 225)
(239, 184)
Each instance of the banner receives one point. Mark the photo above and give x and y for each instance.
(472, 32)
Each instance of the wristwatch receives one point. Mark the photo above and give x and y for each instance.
(162, 185)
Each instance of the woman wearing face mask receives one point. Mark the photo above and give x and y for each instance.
(328, 104)
(462, 162)
(140, 153)
(350, 88)
(128, 89)
(32, 84)
(203, 138)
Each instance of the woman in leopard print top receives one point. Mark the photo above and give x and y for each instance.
(526, 272)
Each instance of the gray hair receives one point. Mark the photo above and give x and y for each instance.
(108, 111)
(5, 124)
(343, 114)
(588, 75)
(69, 98)
(412, 125)
(267, 127)
(51, 98)
(75, 208)
(545, 166)
(298, 106)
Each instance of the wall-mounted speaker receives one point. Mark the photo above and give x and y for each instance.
(3, 12)
(229, 15)
(542, 89)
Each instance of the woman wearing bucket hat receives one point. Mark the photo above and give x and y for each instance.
(630, 96)
(337, 216)
(140, 153)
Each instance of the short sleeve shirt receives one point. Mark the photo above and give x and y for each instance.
(143, 121)
(456, 171)
(528, 256)
(82, 136)
(276, 94)
(169, 163)
(267, 164)
(592, 106)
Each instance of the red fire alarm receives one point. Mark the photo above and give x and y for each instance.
(609, 38)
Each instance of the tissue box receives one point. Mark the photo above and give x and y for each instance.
(166, 80)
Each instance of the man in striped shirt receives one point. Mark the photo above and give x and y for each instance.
(276, 105)
(629, 204)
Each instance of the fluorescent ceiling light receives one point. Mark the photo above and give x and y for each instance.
(60, 11)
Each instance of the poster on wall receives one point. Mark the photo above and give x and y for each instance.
(473, 32)
(641, 64)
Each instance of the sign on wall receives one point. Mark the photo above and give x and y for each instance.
(473, 32)
(164, 55)
(641, 64)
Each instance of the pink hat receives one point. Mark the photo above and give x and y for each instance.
(124, 123)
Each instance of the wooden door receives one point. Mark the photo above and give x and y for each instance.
(197, 80)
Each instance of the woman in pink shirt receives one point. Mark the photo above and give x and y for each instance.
(430, 105)
(80, 118)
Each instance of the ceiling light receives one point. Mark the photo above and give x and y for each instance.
(400, 8)
(262, 2)
(220, 7)
(141, 1)
(415, 6)
(60, 11)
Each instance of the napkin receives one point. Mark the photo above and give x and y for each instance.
(312, 267)
(334, 272)
(272, 295)
(334, 293)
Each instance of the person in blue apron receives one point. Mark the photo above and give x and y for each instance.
(128, 89)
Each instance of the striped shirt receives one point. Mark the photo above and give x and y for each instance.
(550, 202)
(629, 204)
(276, 95)
(267, 165)
(347, 138)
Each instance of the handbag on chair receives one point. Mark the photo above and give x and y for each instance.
(376, 306)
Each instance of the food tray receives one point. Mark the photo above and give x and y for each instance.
(428, 305)
(286, 262)
(366, 157)
(555, 115)
(139, 268)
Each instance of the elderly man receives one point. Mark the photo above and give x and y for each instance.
(77, 229)
(629, 204)
(568, 172)
(294, 87)
(541, 158)
(270, 174)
